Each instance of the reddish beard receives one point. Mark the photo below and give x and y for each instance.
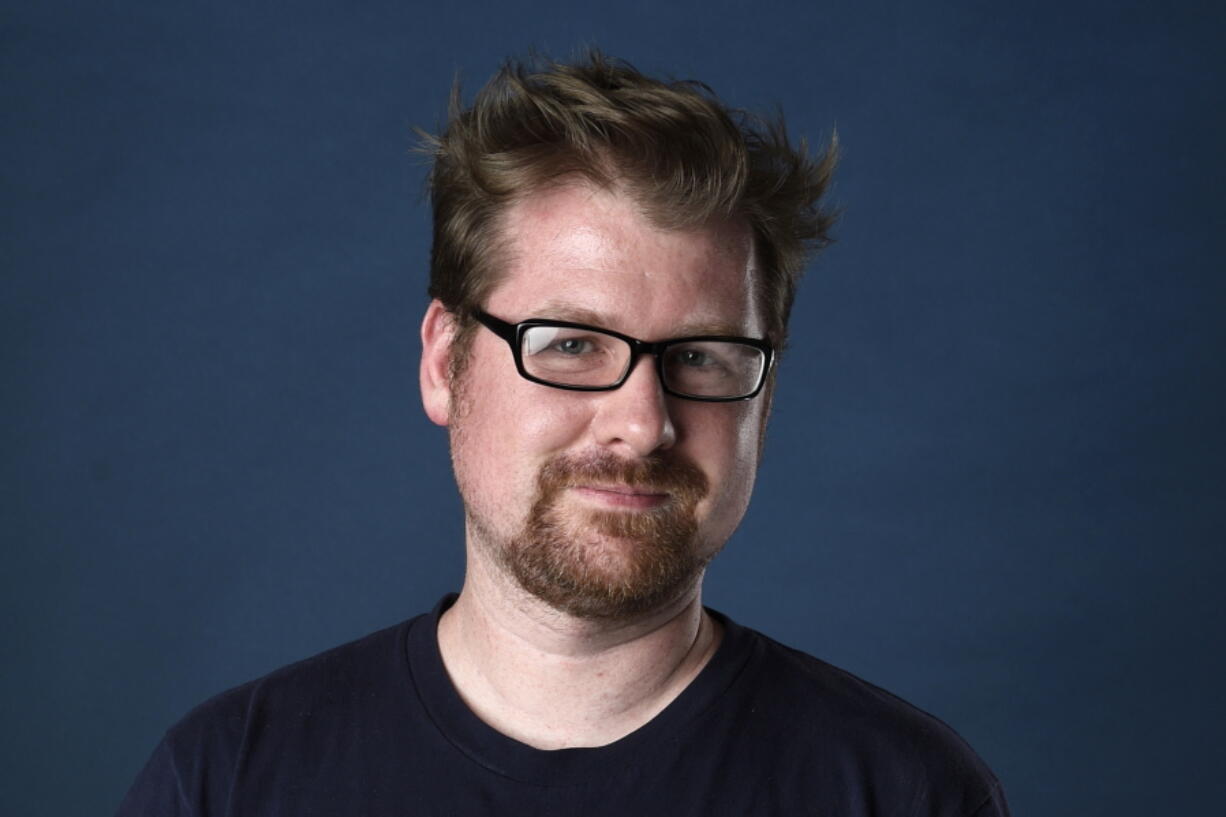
(566, 558)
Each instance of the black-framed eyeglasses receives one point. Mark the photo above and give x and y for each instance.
(575, 356)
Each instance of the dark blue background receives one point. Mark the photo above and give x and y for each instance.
(994, 483)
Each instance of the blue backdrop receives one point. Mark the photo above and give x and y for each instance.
(994, 482)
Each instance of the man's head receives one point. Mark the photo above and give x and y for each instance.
(593, 195)
(684, 157)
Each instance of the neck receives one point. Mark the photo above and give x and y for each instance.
(553, 681)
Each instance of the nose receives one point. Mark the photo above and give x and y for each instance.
(635, 417)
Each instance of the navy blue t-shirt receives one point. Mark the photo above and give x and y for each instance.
(375, 728)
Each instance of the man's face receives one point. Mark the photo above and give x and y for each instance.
(605, 504)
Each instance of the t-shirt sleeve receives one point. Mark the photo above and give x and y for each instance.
(191, 771)
(157, 791)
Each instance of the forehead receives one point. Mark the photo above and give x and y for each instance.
(580, 252)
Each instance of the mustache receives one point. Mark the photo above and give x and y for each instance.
(671, 474)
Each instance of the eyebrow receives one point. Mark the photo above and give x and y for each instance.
(559, 311)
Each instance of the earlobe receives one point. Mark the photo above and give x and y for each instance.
(437, 334)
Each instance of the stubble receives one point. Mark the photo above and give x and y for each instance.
(607, 565)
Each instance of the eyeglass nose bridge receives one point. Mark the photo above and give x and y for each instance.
(639, 348)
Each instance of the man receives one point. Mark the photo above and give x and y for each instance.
(613, 264)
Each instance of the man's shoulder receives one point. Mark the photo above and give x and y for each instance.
(337, 678)
(272, 729)
(818, 689)
(819, 711)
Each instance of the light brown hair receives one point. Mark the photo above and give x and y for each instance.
(685, 157)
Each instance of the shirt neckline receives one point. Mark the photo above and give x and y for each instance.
(510, 758)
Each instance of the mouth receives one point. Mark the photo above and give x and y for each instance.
(622, 496)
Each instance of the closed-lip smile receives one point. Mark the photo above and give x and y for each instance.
(626, 496)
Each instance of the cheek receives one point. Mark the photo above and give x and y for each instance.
(519, 409)
(505, 431)
(742, 470)
(548, 420)
(726, 446)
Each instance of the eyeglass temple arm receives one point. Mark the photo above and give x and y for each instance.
(501, 328)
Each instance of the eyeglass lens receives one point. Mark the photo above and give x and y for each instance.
(588, 358)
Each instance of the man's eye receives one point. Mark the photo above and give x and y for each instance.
(695, 358)
(574, 346)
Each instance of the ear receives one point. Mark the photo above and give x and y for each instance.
(437, 333)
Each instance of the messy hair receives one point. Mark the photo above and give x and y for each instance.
(684, 157)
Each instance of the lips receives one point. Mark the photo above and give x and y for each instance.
(608, 482)
(629, 490)
(623, 496)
